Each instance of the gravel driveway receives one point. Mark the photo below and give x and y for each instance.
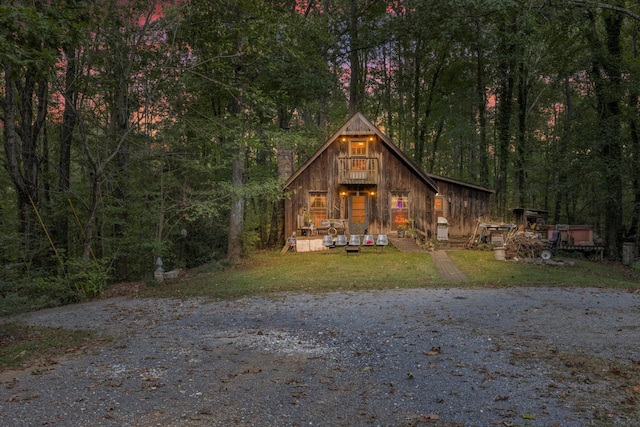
(446, 357)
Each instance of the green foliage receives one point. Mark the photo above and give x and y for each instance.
(19, 294)
(86, 277)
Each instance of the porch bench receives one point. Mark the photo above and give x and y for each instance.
(323, 227)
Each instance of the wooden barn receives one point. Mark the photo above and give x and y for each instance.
(462, 204)
(360, 181)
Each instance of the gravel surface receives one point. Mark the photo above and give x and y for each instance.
(442, 357)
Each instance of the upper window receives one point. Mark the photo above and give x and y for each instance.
(358, 148)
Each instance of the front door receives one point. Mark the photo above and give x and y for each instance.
(358, 214)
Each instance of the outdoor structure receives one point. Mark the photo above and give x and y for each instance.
(530, 218)
(359, 182)
(463, 205)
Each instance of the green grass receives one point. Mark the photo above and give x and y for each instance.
(483, 269)
(270, 272)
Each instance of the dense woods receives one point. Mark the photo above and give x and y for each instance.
(133, 130)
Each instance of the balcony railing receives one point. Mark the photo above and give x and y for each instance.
(358, 170)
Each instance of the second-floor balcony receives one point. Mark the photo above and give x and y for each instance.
(357, 170)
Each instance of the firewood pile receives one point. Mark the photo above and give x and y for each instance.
(522, 245)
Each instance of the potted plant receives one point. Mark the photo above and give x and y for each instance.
(401, 230)
(308, 220)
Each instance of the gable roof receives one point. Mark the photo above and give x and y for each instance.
(359, 125)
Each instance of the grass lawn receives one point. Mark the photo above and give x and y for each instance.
(269, 271)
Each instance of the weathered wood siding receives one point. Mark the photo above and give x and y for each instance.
(463, 206)
(393, 176)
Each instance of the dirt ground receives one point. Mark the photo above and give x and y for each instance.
(445, 357)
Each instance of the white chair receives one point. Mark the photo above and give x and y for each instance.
(327, 241)
(382, 240)
(368, 240)
(354, 244)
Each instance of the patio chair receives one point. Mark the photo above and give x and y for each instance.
(368, 240)
(354, 244)
(341, 240)
(382, 241)
(327, 241)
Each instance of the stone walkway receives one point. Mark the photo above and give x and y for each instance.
(447, 268)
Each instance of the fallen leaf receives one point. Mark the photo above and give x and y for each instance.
(528, 417)
(429, 417)
(433, 352)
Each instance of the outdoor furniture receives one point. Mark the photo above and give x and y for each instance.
(354, 244)
(338, 226)
(324, 226)
(327, 241)
(382, 241)
(305, 228)
(368, 240)
(341, 240)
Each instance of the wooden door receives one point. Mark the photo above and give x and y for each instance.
(358, 214)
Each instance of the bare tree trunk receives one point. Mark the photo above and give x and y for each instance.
(236, 216)
(521, 150)
(25, 109)
(482, 109)
(606, 73)
(69, 118)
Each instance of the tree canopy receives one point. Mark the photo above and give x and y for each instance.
(139, 129)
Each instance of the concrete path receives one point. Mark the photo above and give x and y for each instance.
(447, 268)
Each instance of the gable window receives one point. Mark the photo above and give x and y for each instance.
(399, 210)
(318, 207)
(358, 148)
(358, 159)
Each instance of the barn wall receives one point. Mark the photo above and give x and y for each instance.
(463, 207)
(393, 176)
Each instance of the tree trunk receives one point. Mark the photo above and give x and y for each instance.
(521, 149)
(21, 132)
(69, 118)
(607, 76)
(503, 119)
(236, 216)
(481, 89)
(558, 157)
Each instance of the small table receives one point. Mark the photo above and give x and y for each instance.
(307, 231)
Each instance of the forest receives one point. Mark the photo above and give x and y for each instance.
(138, 129)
